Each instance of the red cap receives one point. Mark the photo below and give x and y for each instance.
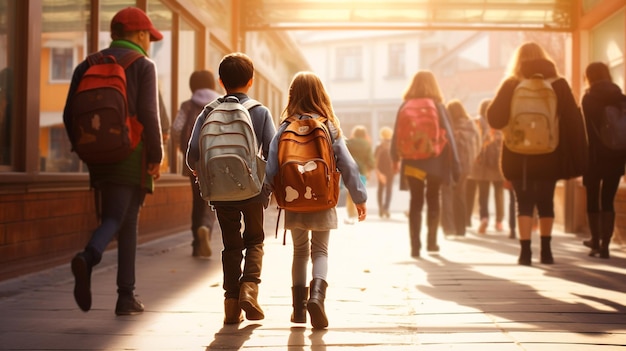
(132, 19)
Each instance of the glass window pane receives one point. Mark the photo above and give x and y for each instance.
(607, 45)
(7, 60)
(65, 28)
(161, 53)
(186, 65)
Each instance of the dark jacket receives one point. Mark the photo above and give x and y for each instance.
(602, 160)
(141, 91)
(570, 157)
(264, 130)
(446, 166)
(384, 163)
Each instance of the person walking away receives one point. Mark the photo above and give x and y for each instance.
(360, 148)
(385, 172)
(534, 176)
(467, 139)
(236, 73)
(120, 187)
(606, 164)
(424, 162)
(486, 173)
(310, 231)
(202, 85)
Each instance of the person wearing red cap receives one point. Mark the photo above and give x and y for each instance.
(120, 188)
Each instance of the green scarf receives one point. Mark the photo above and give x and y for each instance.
(123, 43)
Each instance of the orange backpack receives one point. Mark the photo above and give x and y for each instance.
(307, 178)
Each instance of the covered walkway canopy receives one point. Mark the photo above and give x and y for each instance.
(549, 15)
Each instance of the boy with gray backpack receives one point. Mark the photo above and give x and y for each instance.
(223, 154)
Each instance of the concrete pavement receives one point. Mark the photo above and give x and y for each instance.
(472, 295)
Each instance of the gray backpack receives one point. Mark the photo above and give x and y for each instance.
(231, 168)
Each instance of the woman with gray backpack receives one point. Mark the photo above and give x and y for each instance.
(606, 161)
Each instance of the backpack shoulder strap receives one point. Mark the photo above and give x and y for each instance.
(250, 103)
(95, 58)
(128, 58)
(213, 104)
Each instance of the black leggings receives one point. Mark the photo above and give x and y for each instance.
(536, 193)
(601, 192)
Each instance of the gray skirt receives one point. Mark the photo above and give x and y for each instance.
(321, 220)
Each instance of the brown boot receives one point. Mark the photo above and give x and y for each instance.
(299, 295)
(315, 304)
(232, 311)
(248, 293)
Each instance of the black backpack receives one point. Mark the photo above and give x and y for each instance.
(612, 126)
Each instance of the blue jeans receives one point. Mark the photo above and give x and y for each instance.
(120, 206)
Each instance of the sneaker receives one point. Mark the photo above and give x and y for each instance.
(128, 305)
(482, 229)
(432, 248)
(82, 281)
(204, 249)
(499, 227)
(349, 220)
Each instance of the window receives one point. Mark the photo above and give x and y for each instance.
(7, 105)
(62, 61)
(396, 62)
(607, 45)
(62, 43)
(349, 62)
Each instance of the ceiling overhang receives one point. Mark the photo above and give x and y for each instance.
(549, 15)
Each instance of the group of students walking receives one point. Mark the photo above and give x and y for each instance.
(530, 178)
(122, 186)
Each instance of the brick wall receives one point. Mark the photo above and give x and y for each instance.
(40, 230)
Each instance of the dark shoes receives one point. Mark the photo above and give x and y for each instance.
(546, 250)
(299, 295)
(315, 304)
(128, 305)
(81, 269)
(525, 255)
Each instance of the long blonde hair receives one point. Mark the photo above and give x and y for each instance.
(424, 84)
(307, 95)
(527, 51)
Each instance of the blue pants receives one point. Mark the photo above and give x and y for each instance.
(120, 205)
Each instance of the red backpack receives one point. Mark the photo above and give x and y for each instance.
(418, 132)
(101, 126)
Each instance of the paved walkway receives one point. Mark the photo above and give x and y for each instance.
(470, 296)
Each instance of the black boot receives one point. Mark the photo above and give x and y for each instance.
(433, 226)
(299, 295)
(82, 265)
(546, 250)
(595, 227)
(608, 222)
(416, 246)
(315, 304)
(525, 253)
(415, 227)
